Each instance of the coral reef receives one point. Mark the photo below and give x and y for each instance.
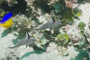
(37, 12)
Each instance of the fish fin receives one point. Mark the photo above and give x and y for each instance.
(27, 35)
(27, 45)
(53, 19)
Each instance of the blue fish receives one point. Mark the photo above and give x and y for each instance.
(6, 17)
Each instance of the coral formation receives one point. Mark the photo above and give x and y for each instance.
(37, 12)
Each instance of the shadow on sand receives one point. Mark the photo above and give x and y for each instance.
(5, 33)
(36, 51)
(83, 55)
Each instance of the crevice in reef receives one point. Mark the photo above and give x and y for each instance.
(17, 8)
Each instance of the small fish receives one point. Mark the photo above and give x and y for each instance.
(50, 24)
(6, 17)
(6, 22)
(27, 40)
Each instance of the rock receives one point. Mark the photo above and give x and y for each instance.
(88, 40)
(66, 53)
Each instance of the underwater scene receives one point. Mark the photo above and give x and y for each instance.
(44, 29)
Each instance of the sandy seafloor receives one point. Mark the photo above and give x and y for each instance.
(29, 54)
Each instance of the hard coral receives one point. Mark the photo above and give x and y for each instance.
(11, 2)
(21, 23)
